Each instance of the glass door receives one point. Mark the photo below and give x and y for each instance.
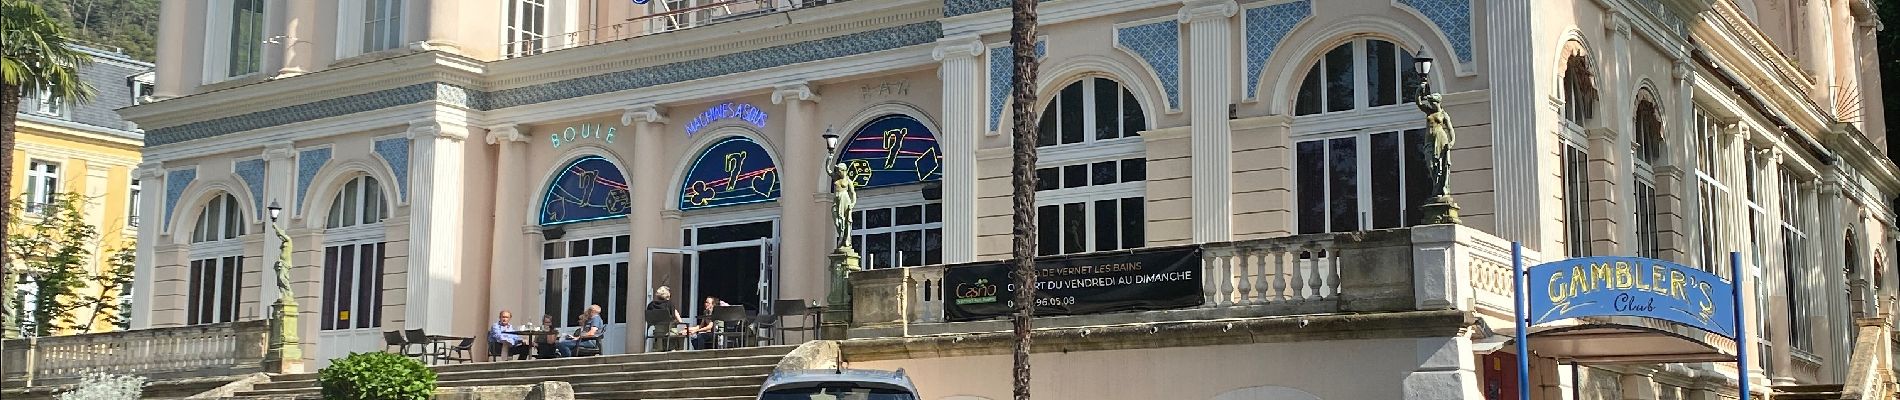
(579, 273)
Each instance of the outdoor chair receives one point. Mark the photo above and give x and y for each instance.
(797, 308)
(459, 352)
(590, 346)
(426, 350)
(494, 351)
(732, 324)
(660, 334)
(392, 342)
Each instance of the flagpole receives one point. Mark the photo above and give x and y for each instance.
(1521, 317)
(1741, 325)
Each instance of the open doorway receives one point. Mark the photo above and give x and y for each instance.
(733, 262)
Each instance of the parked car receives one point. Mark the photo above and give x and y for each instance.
(838, 384)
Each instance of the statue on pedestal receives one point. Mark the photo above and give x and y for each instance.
(1439, 208)
(286, 351)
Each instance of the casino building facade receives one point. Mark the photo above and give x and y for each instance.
(438, 161)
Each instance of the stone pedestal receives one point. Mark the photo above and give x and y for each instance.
(285, 355)
(1441, 210)
(837, 315)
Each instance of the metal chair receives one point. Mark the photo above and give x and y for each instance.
(661, 333)
(426, 350)
(459, 352)
(584, 349)
(393, 343)
(732, 323)
(782, 309)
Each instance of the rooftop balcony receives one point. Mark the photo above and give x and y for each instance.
(663, 19)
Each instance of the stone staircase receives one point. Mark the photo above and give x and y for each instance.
(726, 374)
(1807, 392)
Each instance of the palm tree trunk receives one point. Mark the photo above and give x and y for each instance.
(1022, 40)
(9, 112)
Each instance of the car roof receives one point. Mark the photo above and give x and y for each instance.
(862, 377)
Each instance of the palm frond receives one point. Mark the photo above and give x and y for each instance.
(36, 55)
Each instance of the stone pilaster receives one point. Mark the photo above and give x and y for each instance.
(280, 166)
(1779, 306)
(805, 236)
(1622, 178)
(151, 174)
(646, 206)
(1831, 342)
(509, 264)
(1638, 383)
(1446, 370)
(1514, 109)
(435, 234)
(1211, 82)
(962, 126)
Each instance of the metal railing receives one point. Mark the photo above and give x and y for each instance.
(658, 22)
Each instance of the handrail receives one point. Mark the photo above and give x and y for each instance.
(188, 351)
(1868, 374)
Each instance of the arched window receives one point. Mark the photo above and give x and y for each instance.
(1647, 146)
(1359, 74)
(1091, 198)
(360, 202)
(901, 228)
(1579, 89)
(353, 261)
(1358, 170)
(217, 262)
(1579, 95)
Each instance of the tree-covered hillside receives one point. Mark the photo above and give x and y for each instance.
(129, 25)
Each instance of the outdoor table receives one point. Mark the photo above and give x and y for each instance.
(529, 334)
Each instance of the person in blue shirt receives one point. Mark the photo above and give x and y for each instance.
(498, 336)
(587, 335)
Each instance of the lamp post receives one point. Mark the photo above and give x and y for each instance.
(286, 351)
(1439, 207)
(844, 259)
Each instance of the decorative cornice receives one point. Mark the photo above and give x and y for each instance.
(1193, 11)
(672, 215)
(505, 132)
(279, 151)
(149, 170)
(1682, 70)
(1619, 24)
(956, 48)
(643, 113)
(1600, 133)
(430, 128)
(795, 91)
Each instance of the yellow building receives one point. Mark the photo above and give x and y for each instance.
(69, 147)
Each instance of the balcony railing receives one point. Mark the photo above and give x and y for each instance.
(223, 349)
(658, 22)
(1423, 268)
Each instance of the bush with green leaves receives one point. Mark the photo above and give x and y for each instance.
(377, 376)
(105, 386)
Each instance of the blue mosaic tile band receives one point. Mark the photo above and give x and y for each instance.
(751, 60)
(1000, 73)
(952, 8)
(1266, 27)
(1453, 18)
(252, 173)
(308, 163)
(1158, 44)
(175, 183)
(395, 151)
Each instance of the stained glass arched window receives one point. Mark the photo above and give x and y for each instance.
(589, 188)
(734, 170)
(893, 150)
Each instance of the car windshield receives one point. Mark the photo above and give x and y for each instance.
(837, 393)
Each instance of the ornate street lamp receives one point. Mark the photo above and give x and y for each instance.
(1439, 208)
(275, 210)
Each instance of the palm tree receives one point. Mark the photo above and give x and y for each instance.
(1022, 41)
(35, 57)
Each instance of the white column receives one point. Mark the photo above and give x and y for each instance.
(279, 174)
(962, 126)
(151, 174)
(1210, 85)
(1833, 295)
(1817, 47)
(647, 205)
(805, 236)
(1514, 109)
(300, 21)
(1777, 276)
(509, 265)
(174, 72)
(1682, 153)
(435, 218)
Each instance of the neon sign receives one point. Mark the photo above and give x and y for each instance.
(728, 110)
(590, 188)
(735, 170)
(893, 150)
(582, 131)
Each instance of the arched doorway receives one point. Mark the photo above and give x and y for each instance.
(587, 253)
(729, 237)
(353, 267)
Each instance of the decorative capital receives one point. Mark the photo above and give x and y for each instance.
(1682, 70)
(1193, 11)
(796, 91)
(672, 215)
(1620, 24)
(149, 170)
(279, 151)
(1601, 133)
(505, 133)
(432, 128)
(643, 113)
(957, 48)
(531, 229)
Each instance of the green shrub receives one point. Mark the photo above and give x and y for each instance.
(105, 386)
(377, 376)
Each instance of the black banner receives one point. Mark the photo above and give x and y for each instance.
(1150, 279)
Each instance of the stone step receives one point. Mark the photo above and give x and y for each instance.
(627, 386)
(505, 371)
(1809, 388)
(657, 394)
(777, 351)
(1808, 396)
(666, 378)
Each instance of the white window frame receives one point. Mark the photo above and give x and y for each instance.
(217, 255)
(1576, 200)
(514, 27)
(1712, 192)
(135, 192)
(216, 249)
(906, 197)
(45, 104)
(218, 41)
(357, 232)
(1360, 125)
(356, 37)
(1090, 150)
(612, 260)
(355, 194)
(221, 222)
(1361, 74)
(42, 184)
(1795, 265)
(1648, 241)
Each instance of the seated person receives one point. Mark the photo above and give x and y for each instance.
(512, 344)
(545, 344)
(587, 334)
(707, 329)
(663, 303)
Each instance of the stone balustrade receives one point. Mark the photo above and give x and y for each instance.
(223, 349)
(1441, 267)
